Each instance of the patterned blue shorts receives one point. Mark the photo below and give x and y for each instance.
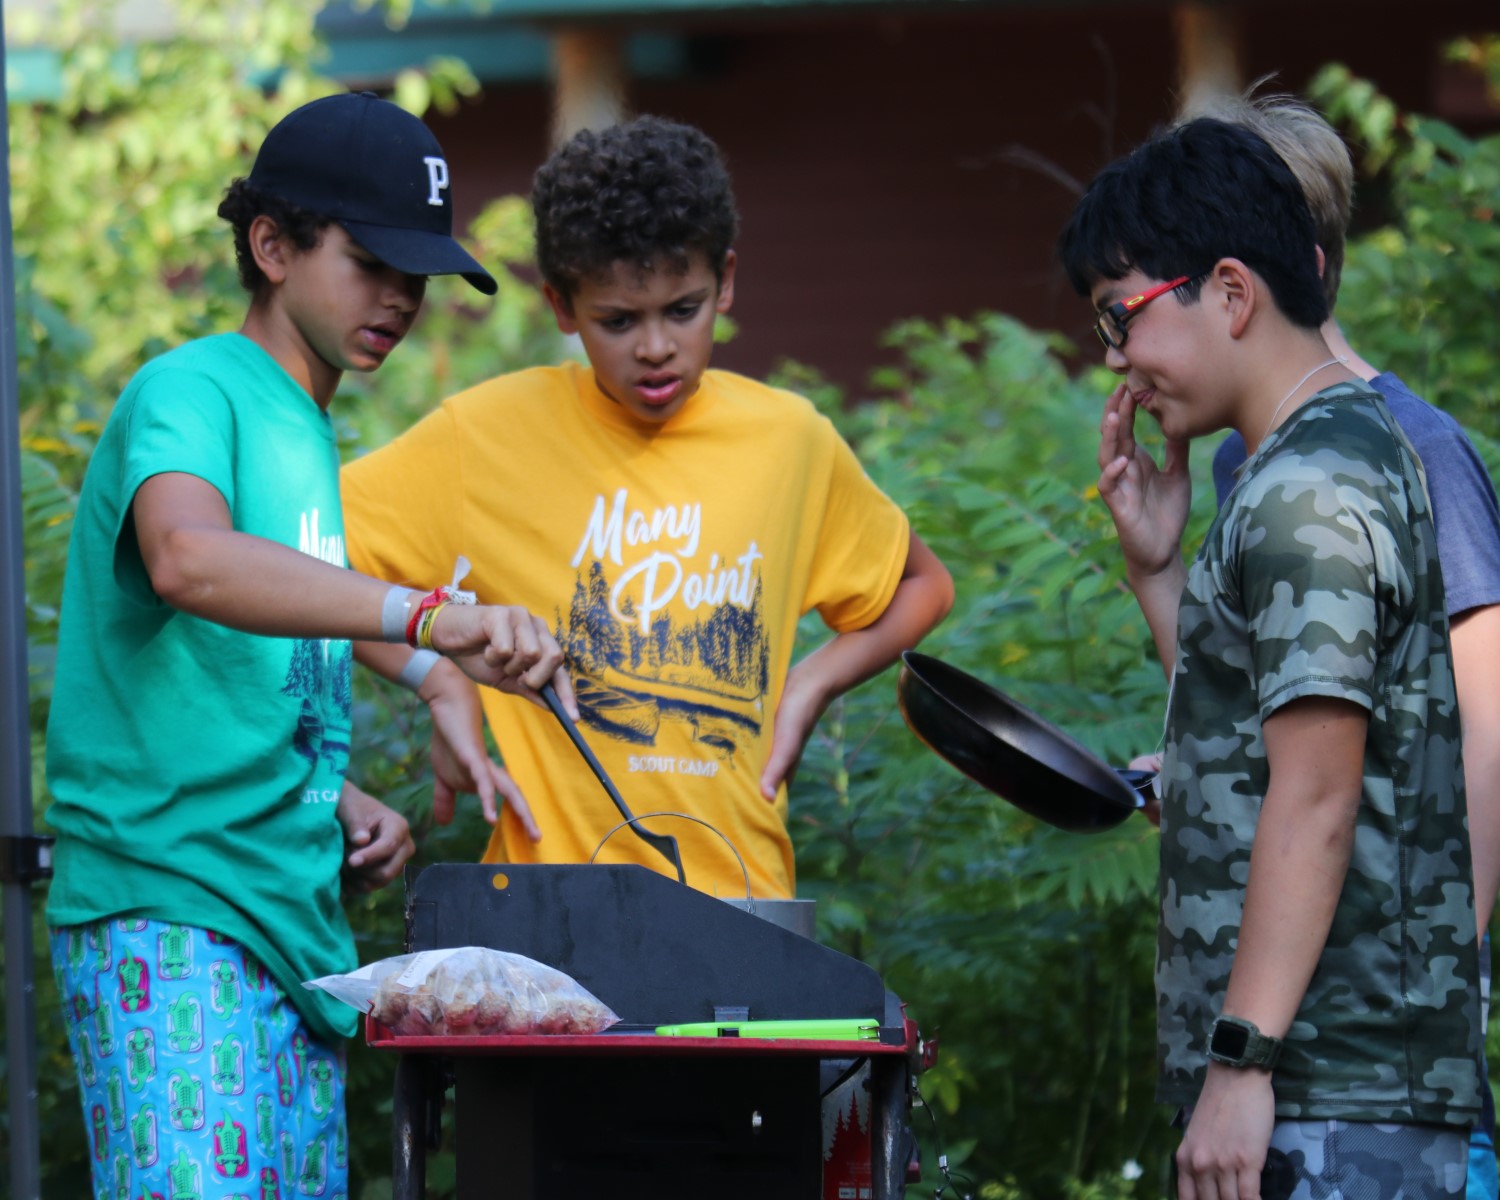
(1352, 1160)
(198, 1076)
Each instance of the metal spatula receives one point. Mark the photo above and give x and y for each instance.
(665, 844)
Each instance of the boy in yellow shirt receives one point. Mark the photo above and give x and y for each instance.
(670, 522)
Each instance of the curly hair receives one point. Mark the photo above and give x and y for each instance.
(243, 203)
(648, 192)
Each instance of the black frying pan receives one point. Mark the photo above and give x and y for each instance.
(1013, 752)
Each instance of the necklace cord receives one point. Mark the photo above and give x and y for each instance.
(1276, 412)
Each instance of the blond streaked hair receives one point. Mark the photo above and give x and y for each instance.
(1314, 151)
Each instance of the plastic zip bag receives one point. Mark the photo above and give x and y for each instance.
(470, 991)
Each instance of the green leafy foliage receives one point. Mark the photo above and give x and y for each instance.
(1419, 294)
(1024, 951)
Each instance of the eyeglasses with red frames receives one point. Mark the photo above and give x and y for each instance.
(1112, 321)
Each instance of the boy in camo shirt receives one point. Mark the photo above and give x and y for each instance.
(1317, 1000)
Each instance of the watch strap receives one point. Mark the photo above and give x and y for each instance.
(1236, 1042)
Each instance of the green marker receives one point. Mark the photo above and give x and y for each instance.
(849, 1029)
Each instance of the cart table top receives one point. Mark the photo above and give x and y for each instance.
(628, 1043)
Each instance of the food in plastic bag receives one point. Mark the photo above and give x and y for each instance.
(469, 991)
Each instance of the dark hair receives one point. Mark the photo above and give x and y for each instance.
(243, 203)
(648, 192)
(1189, 197)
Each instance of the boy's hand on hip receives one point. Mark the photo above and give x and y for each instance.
(802, 703)
(1149, 504)
(377, 840)
(1224, 1150)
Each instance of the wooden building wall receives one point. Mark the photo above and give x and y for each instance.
(921, 165)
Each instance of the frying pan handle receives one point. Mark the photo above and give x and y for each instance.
(1142, 783)
(664, 844)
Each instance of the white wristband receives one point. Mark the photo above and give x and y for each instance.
(417, 668)
(395, 612)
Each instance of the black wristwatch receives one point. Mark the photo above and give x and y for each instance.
(1237, 1043)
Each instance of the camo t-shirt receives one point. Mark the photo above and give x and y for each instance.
(1320, 578)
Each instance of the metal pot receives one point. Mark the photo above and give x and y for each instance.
(1008, 749)
(797, 916)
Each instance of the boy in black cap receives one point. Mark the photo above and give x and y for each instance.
(200, 724)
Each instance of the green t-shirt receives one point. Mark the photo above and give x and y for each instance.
(1320, 577)
(195, 770)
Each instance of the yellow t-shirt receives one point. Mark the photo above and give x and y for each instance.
(672, 563)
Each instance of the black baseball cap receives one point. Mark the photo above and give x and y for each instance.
(376, 170)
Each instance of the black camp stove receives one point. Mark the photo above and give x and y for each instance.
(628, 1113)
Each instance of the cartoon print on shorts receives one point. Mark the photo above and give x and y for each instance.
(185, 1024)
(122, 1177)
(115, 1092)
(260, 1040)
(100, 1129)
(228, 1076)
(230, 1159)
(135, 984)
(184, 1178)
(265, 1125)
(323, 1076)
(143, 1136)
(87, 1064)
(299, 1051)
(140, 1058)
(104, 1024)
(174, 953)
(256, 975)
(96, 938)
(224, 995)
(197, 1013)
(314, 1178)
(285, 1087)
(186, 1094)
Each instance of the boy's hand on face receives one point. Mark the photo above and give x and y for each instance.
(506, 648)
(1224, 1149)
(1149, 504)
(460, 761)
(377, 840)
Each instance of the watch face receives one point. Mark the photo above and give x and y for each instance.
(1229, 1040)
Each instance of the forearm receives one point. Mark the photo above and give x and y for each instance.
(1303, 842)
(1158, 595)
(1297, 872)
(1476, 672)
(922, 598)
(259, 586)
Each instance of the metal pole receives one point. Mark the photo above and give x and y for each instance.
(15, 732)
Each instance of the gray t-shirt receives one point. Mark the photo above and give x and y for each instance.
(1320, 578)
(1464, 507)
